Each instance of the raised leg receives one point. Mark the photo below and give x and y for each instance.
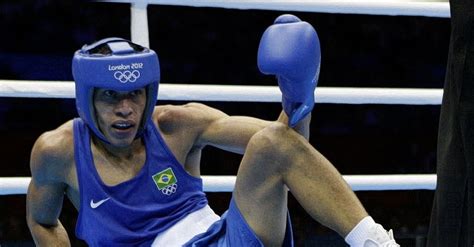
(277, 159)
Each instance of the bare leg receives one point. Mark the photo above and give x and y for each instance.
(278, 158)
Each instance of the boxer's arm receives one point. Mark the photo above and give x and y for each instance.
(290, 50)
(231, 133)
(45, 195)
(202, 125)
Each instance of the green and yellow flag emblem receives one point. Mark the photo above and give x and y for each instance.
(165, 178)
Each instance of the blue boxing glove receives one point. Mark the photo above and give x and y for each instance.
(290, 50)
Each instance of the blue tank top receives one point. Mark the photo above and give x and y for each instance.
(133, 212)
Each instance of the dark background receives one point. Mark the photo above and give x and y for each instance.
(218, 46)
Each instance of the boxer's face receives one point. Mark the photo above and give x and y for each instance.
(119, 114)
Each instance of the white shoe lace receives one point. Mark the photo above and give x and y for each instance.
(382, 238)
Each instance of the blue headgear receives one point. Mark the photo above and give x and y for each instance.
(124, 69)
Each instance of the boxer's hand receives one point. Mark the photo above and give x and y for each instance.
(290, 50)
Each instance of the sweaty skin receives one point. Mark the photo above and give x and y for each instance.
(186, 130)
(277, 155)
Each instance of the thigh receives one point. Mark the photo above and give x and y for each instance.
(260, 193)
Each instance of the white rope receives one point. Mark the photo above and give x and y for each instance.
(19, 185)
(14, 185)
(371, 7)
(357, 182)
(184, 92)
(139, 16)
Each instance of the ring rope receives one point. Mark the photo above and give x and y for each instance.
(19, 185)
(139, 30)
(139, 17)
(185, 92)
(370, 7)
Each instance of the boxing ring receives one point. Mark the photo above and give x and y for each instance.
(184, 92)
(333, 95)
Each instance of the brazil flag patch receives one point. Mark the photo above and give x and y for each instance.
(166, 181)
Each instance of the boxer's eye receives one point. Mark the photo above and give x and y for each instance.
(135, 93)
(110, 93)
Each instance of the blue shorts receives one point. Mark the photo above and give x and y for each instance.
(233, 230)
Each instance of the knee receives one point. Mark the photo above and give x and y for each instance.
(275, 140)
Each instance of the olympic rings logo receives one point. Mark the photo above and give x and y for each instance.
(168, 190)
(127, 76)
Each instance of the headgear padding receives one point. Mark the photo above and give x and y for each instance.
(127, 67)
